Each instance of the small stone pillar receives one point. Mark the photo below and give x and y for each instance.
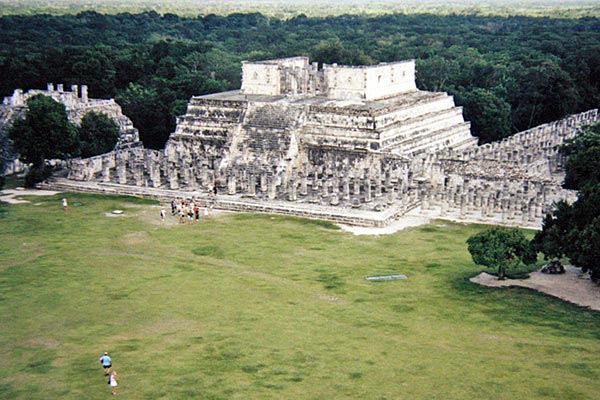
(463, 206)
(74, 90)
(335, 184)
(378, 186)
(367, 184)
(272, 187)
(315, 185)
(335, 200)
(292, 192)
(304, 180)
(231, 183)
(251, 185)
(356, 190)
(346, 188)
(264, 182)
(121, 171)
(105, 169)
(138, 171)
(17, 98)
(173, 178)
(84, 93)
(59, 87)
(50, 87)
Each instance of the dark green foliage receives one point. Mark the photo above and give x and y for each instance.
(43, 133)
(500, 248)
(583, 158)
(335, 52)
(489, 114)
(507, 72)
(37, 174)
(574, 230)
(98, 134)
(551, 241)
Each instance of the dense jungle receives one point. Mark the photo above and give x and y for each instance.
(509, 73)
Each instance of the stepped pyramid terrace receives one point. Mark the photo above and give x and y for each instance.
(354, 144)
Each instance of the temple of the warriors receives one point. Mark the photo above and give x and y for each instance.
(354, 144)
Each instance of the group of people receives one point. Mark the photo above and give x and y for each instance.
(112, 376)
(185, 210)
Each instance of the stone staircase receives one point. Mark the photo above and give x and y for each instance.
(267, 131)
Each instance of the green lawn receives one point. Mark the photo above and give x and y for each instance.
(268, 307)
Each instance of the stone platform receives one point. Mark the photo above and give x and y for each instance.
(239, 203)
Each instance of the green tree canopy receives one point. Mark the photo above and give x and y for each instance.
(583, 158)
(573, 230)
(500, 248)
(98, 134)
(489, 114)
(43, 133)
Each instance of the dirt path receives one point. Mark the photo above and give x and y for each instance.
(12, 195)
(572, 286)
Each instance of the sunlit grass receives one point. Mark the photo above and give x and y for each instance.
(258, 307)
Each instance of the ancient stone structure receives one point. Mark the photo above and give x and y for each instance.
(359, 145)
(77, 104)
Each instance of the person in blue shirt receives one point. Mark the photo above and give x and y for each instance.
(106, 363)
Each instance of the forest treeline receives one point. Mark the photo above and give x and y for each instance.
(509, 73)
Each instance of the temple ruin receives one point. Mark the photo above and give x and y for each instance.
(355, 144)
(77, 104)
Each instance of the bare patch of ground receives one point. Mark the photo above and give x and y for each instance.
(12, 195)
(572, 286)
(406, 221)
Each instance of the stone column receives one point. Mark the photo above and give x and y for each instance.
(463, 206)
(173, 178)
(378, 186)
(264, 182)
(335, 184)
(346, 187)
(292, 192)
(356, 185)
(304, 180)
(272, 187)
(105, 169)
(138, 173)
(251, 184)
(121, 171)
(231, 183)
(367, 187)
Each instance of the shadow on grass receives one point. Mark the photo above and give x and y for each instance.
(518, 305)
(280, 218)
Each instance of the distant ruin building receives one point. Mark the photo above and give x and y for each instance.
(77, 104)
(354, 144)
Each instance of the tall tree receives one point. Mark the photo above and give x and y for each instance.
(43, 133)
(98, 134)
(500, 248)
(573, 230)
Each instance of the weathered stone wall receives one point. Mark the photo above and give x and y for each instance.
(77, 105)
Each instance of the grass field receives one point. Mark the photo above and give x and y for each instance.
(267, 307)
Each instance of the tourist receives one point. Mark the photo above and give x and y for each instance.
(181, 216)
(113, 382)
(106, 363)
(64, 204)
(162, 214)
(205, 212)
